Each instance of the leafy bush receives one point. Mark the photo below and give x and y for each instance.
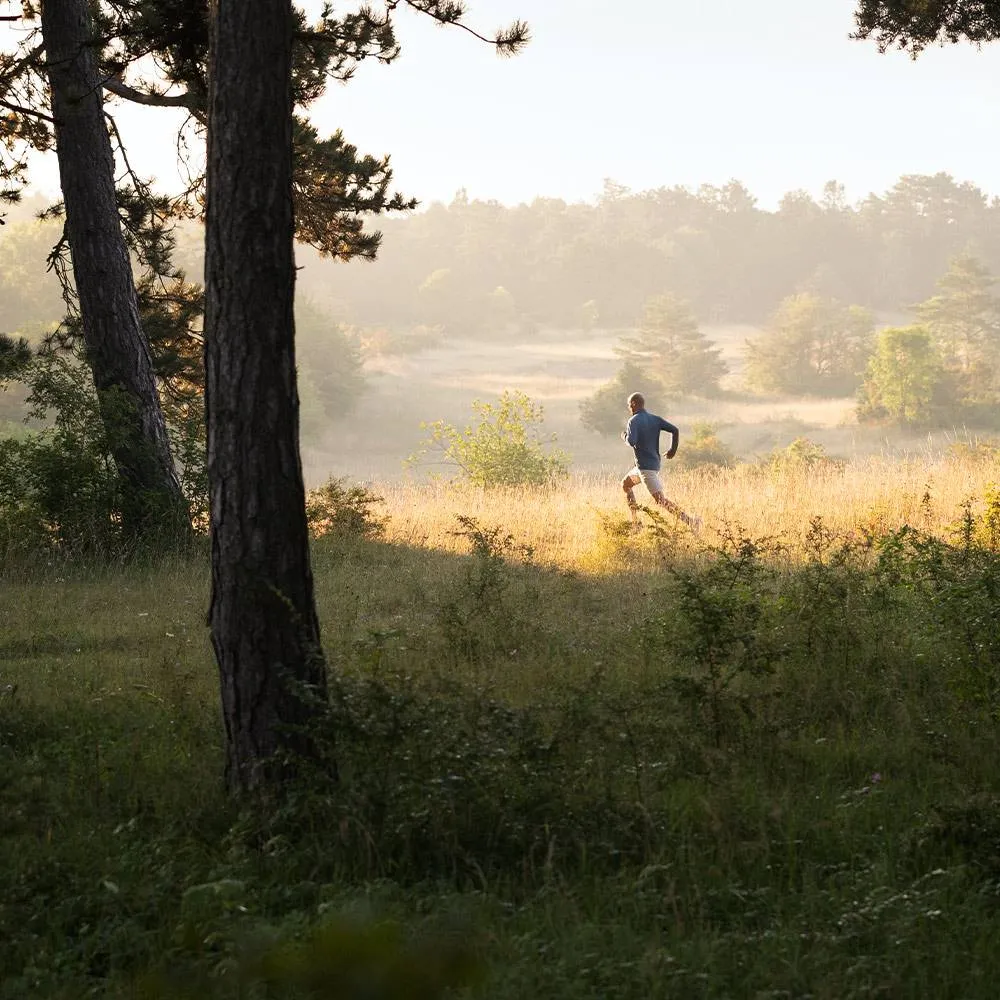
(337, 510)
(59, 487)
(480, 617)
(503, 448)
(801, 453)
(705, 449)
(725, 630)
(958, 585)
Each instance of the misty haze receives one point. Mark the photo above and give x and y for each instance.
(473, 298)
(499, 527)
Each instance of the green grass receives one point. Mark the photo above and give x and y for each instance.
(737, 773)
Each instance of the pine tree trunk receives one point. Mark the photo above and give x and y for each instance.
(263, 620)
(117, 350)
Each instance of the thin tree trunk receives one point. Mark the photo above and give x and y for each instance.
(263, 620)
(117, 349)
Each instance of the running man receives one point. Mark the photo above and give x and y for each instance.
(642, 435)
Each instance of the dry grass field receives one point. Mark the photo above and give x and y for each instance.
(566, 526)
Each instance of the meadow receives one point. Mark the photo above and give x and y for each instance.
(559, 369)
(572, 761)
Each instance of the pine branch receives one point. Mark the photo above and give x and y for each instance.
(507, 41)
(121, 89)
(27, 61)
(25, 111)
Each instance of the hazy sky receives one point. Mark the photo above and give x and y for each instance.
(653, 93)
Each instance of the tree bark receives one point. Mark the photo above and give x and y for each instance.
(263, 620)
(116, 347)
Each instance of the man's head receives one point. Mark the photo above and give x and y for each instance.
(636, 402)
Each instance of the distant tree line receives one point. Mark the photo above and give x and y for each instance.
(476, 267)
(479, 267)
(657, 265)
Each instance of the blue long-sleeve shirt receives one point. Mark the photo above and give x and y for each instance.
(642, 434)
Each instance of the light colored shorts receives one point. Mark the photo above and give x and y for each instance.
(650, 479)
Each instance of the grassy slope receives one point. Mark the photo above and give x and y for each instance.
(537, 762)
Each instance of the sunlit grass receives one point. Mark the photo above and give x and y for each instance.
(563, 523)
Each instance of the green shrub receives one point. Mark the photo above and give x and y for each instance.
(59, 487)
(801, 454)
(704, 449)
(503, 448)
(722, 627)
(480, 618)
(340, 511)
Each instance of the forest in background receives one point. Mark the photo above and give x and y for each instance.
(478, 265)
(475, 265)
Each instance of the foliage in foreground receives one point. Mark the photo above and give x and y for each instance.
(764, 768)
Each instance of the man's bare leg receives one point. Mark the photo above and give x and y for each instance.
(628, 485)
(692, 522)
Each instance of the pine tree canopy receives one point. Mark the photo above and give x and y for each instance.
(915, 24)
(155, 53)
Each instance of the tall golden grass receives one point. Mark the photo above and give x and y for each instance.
(564, 523)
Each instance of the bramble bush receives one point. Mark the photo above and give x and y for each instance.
(338, 510)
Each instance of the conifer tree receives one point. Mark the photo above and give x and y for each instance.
(964, 321)
(116, 348)
(265, 61)
(264, 625)
(915, 24)
(671, 349)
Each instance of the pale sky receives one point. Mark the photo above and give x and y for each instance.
(653, 93)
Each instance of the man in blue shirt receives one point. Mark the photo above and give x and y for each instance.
(642, 434)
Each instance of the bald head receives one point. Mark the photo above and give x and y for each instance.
(637, 401)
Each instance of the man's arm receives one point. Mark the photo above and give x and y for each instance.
(675, 436)
(627, 433)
